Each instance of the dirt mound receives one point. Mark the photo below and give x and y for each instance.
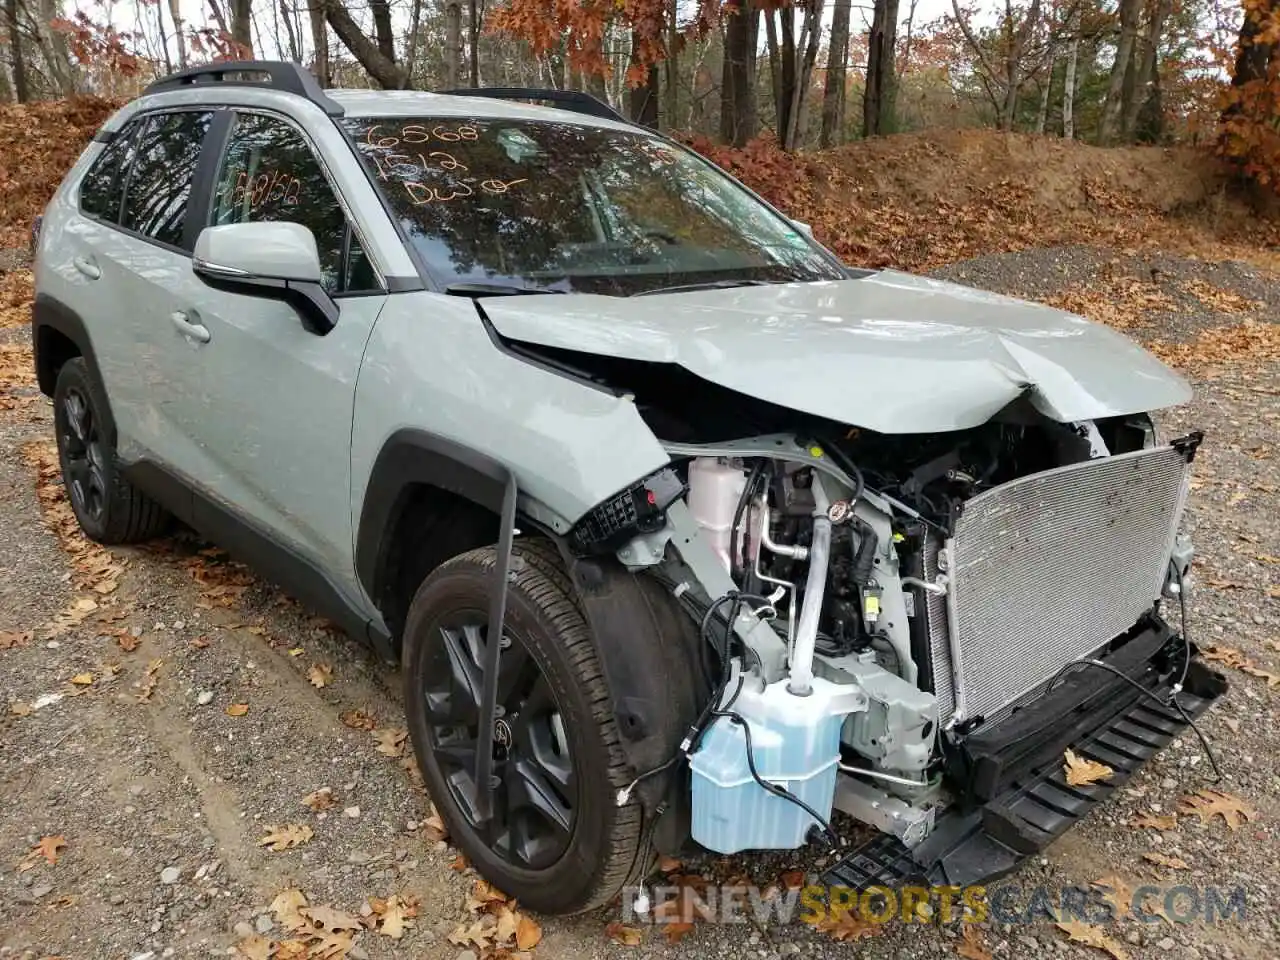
(38, 144)
(917, 201)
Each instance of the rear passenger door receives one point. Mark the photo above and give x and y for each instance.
(270, 408)
(139, 245)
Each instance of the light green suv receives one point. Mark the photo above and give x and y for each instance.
(681, 529)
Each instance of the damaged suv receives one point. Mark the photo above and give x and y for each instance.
(681, 529)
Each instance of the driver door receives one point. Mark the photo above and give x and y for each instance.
(272, 412)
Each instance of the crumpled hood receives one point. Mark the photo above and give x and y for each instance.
(890, 352)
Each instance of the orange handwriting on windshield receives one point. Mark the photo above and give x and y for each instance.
(421, 193)
(417, 133)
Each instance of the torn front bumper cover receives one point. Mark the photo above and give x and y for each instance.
(1015, 799)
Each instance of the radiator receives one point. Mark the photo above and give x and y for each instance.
(1047, 569)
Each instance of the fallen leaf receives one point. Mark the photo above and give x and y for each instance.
(1164, 860)
(1118, 893)
(1273, 680)
(528, 933)
(358, 720)
(972, 945)
(82, 679)
(128, 642)
(395, 919)
(792, 879)
(330, 946)
(149, 680)
(200, 642)
(1091, 936)
(1155, 822)
(10, 639)
(1082, 772)
(668, 864)
(282, 838)
(320, 675)
(291, 950)
(478, 932)
(237, 709)
(296, 652)
(255, 948)
(848, 926)
(328, 917)
(483, 896)
(435, 828)
(675, 932)
(458, 863)
(506, 930)
(390, 741)
(322, 799)
(1208, 803)
(621, 933)
(287, 907)
(20, 709)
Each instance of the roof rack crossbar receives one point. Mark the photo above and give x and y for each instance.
(572, 100)
(280, 75)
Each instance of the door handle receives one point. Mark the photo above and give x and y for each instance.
(189, 327)
(86, 266)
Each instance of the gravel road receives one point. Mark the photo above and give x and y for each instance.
(161, 794)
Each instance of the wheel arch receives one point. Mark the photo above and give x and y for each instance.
(58, 334)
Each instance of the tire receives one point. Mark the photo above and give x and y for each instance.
(108, 508)
(557, 841)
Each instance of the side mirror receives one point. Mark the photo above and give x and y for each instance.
(278, 261)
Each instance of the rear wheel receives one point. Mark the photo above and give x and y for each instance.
(555, 839)
(108, 508)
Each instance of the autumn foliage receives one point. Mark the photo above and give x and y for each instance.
(1250, 131)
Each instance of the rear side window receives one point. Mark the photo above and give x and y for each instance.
(102, 188)
(166, 151)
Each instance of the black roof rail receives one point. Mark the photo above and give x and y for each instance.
(280, 75)
(573, 100)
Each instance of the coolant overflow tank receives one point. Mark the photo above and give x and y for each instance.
(796, 745)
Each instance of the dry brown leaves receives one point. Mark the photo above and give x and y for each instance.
(150, 677)
(496, 923)
(321, 799)
(391, 741)
(1237, 660)
(1081, 771)
(1166, 821)
(393, 916)
(1120, 303)
(314, 932)
(1251, 342)
(237, 709)
(47, 849)
(622, 934)
(972, 944)
(320, 675)
(1091, 936)
(1164, 860)
(286, 837)
(848, 926)
(358, 720)
(1207, 804)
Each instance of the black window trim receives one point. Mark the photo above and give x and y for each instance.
(348, 212)
(136, 122)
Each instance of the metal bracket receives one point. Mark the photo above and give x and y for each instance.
(492, 653)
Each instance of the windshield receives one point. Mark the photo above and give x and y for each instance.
(562, 206)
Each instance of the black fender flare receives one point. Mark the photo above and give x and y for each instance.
(410, 457)
(50, 313)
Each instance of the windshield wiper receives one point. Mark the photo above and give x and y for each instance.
(705, 285)
(468, 289)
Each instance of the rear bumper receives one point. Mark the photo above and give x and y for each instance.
(1014, 799)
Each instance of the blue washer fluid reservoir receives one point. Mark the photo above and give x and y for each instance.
(796, 745)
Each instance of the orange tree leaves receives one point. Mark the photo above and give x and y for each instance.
(1250, 135)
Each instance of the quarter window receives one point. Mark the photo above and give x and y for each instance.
(103, 186)
(269, 173)
(164, 167)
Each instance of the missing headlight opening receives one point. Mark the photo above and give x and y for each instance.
(911, 629)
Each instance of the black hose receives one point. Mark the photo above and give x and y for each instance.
(735, 554)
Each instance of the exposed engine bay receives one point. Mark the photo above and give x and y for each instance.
(860, 593)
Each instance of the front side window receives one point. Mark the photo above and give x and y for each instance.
(158, 183)
(102, 188)
(563, 206)
(269, 174)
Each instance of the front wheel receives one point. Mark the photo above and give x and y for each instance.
(555, 839)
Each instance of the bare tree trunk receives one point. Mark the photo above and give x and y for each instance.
(320, 41)
(1110, 127)
(775, 62)
(175, 13)
(1042, 116)
(21, 91)
(1144, 68)
(1069, 89)
(164, 38)
(642, 101)
(877, 97)
(453, 43)
(54, 45)
(809, 42)
(837, 61)
(242, 27)
(670, 93)
(294, 52)
(386, 73)
(738, 116)
(218, 17)
(381, 11)
(473, 42)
